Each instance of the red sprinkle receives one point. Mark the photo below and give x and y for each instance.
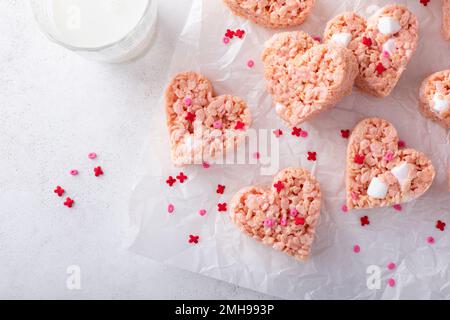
(345, 133)
(202, 212)
(206, 165)
(367, 41)
(220, 189)
(317, 38)
(193, 239)
(239, 33)
(59, 191)
(69, 202)
(190, 117)
(359, 159)
(170, 181)
(344, 208)
(299, 221)
(279, 186)
(229, 34)
(304, 134)
(424, 2)
(239, 125)
(221, 207)
(312, 156)
(365, 221)
(256, 155)
(401, 144)
(278, 133)
(296, 131)
(397, 207)
(440, 225)
(181, 177)
(74, 172)
(250, 63)
(380, 68)
(356, 248)
(98, 171)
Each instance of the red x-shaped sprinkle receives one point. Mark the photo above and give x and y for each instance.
(69, 202)
(220, 189)
(345, 133)
(170, 181)
(299, 221)
(278, 133)
(239, 125)
(367, 41)
(59, 191)
(365, 221)
(440, 225)
(380, 68)
(312, 156)
(193, 239)
(239, 33)
(181, 177)
(279, 186)
(98, 171)
(296, 131)
(222, 207)
(190, 117)
(359, 159)
(424, 2)
(229, 34)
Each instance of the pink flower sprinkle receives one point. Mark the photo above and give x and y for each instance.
(170, 208)
(250, 63)
(391, 266)
(401, 144)
(356, 249)
(74, 172)
(344, 208)
(391, 282)
(217, 124)
(293, 212)
(303, 134)
(202, 212)
(389, 156)
(268, 223)
(430, 240)
(397, 207)
(92, 155)
(283, 222)
(386, 54)
(205, 165)
(187, 101)
(226, 40)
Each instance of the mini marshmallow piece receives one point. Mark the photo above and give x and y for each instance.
(388, 25)
(401, 173)
(439, 105)
(377, 189)
(280, 107)
(342, 39)
(389, 46)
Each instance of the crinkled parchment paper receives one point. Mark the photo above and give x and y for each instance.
(334, 270)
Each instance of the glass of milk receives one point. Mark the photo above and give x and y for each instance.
(102, 30)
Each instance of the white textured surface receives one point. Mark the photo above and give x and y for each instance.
(55, 108)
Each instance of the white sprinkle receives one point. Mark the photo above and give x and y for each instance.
(388, 25)
(401, 172)
(342, 39)
(439, 104)
(377, 189)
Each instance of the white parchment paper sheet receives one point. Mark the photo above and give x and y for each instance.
(334, 270)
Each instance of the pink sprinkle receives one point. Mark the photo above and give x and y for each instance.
(401, 144)
(430, 240)
(187, 101)
(317, 38)
(354, 195)
(391, 282)
(74, 172)
(170, 208)
(256, 155)
(356, 249)
(386, 54)
(397, 207)
(303, 134)
(283, 222)
(250, 63)
(391, 266)
(344, 208)
(226, 40)
(205, 165)
(92, 155)
(202, 212)
(389, 156)
(268, 223)
(217, 124)
(293, 212)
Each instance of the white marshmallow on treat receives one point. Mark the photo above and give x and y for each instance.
(439, 104)
(377, 189)
(342, 39)
(279, 107)
(401, 172)
(388, 25)
(389, 47)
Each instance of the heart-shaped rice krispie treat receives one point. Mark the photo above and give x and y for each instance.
(434, 98)
(446, 19)
(283, 216)
(306, 78)
(202, 126)
(378, 172)
(383, 45)
(272, 13)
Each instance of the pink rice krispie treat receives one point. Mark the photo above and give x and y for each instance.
(272, 13)
(448, 176)
(202, 126)
(283, 216)
(446, 19)
(434, 97)
(383, 45)
(304, 77)
(378, 173)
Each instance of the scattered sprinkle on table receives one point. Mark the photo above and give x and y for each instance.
(59, 191)
(69, 202)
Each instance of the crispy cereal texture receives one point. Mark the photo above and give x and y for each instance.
(446, 19)
(306, 78)
(373, 153)
(284, 220)
(436, 86)
(272, 13)
(382, 56)
(219, 124)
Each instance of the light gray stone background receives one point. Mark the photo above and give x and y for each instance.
(55, 108)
